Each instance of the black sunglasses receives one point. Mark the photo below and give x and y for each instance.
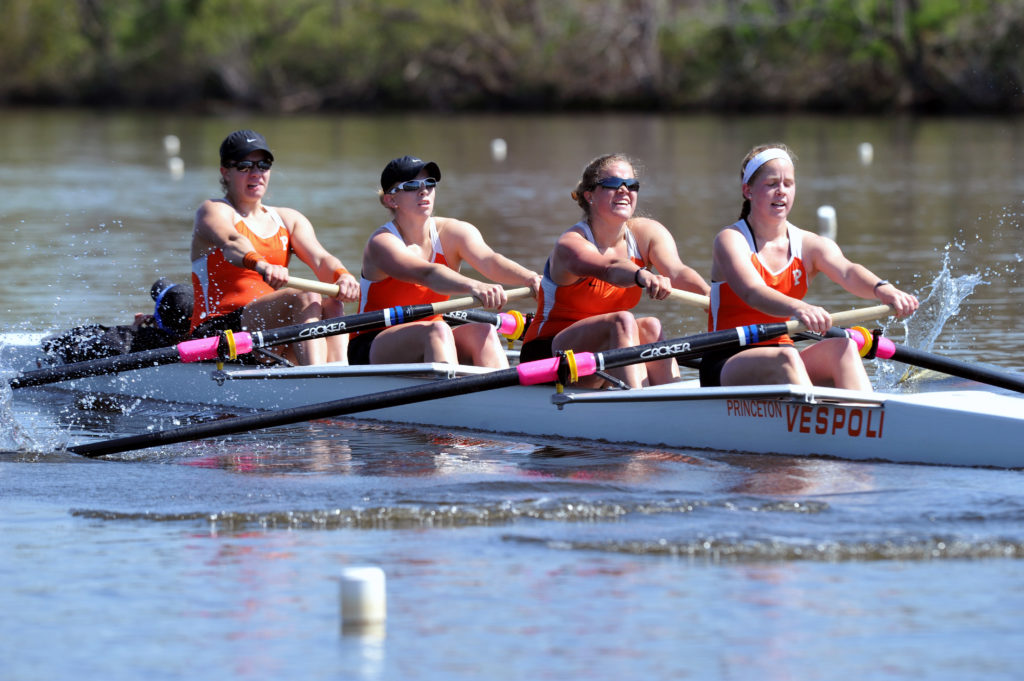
(630, 183)
(413, 186)
(246, 166)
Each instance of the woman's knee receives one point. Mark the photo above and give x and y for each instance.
(791, 365)
(624, 328)
(849, 349)
(438, 332)
(299, 306)
(649, 329)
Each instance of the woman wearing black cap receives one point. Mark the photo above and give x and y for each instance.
(240, 254)
(415, 259)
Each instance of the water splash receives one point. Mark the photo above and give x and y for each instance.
(13, 436)
(941, 304)
(997, 243)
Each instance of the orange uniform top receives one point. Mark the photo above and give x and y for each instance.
(558, 307)
(391, 292)
(727, 310)
(220, 287)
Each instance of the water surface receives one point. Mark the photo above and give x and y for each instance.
(505, 558)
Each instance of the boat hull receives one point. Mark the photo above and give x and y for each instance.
(966, 428)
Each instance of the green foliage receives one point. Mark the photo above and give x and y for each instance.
(448, 54)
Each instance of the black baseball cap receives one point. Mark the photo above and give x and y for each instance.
(173, 309)
(406, 168)
(241, 143)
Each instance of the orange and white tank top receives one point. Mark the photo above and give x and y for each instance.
(727, 310)
(391, 292)
(220, 287)
(558, 307)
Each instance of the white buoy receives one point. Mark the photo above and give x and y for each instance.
(867, 153)
(172, 145)
(176, 166)
(827, 222)
(499, 149)
(363, 598)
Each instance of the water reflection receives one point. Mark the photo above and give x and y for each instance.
(799, 477)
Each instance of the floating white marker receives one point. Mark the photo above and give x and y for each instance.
(867, 153)
(827, 222)
(363, 599)
(499, 149)
(172, 145)
(176, 166)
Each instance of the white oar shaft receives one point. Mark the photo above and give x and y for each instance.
(691, 299)
(462, 303)
(329, 290)
(847, 317)
(862, 314)
(440, 308)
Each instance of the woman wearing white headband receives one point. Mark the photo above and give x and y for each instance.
(761, 268)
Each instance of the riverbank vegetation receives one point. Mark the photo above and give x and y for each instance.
(308, 55)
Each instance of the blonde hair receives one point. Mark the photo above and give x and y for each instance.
(592, 173)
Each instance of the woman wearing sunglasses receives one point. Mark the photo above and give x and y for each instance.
(598, 271)
(760, 271)
(414, 259)
(240, 254)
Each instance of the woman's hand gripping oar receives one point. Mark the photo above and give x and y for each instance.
(561, 369)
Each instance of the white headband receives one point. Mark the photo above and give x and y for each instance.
(760, 159)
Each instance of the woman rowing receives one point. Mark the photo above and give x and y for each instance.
(415, 259)
(599, 270)
(240, 254)
(761, 268)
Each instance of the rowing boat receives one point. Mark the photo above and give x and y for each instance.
(947, 427)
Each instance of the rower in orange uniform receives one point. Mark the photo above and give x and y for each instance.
(762, 265)
(240, 254)
(598, 271)
(414, 259)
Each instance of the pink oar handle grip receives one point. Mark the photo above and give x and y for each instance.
(884, 349)
(507, 324)
(206, 348)
(546, 370)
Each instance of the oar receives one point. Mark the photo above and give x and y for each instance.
(887, 349)
(512, 325)
(242, 342)
(329, 290)
(691, 299)
(559, 369)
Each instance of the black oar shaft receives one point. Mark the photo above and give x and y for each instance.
(954, 367)
(886, 349)
(390, 398)
(363, 321)
(96, 367)
(511, 325)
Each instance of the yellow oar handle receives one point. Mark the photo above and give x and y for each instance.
(463, 303)
(847, 317)
(330, 290)
(691, 299)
